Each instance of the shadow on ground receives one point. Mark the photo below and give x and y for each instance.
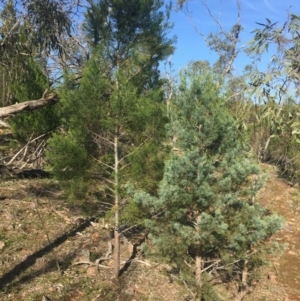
(7, 279)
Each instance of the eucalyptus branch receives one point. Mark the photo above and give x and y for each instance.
(233, 38)
(15, 26)
(216, 20)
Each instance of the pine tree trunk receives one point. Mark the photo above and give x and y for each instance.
(199, 262)
(244, 276)
(199, 270)
(243, 287)
(116, 232)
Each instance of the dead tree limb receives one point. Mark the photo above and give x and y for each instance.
(3, 124)
(30, 105)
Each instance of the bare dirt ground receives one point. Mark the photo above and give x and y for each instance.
(282, 280)
(42, 241)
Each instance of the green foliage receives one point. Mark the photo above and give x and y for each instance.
(68, 159)
(147, 164)
(132, 214)
(43, 22)
(32, 82)
(31, 85)
(205, 205)
(133, 35)
(90, 115)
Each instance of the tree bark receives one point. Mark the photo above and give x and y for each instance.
(28, 105)
(199, 270)
(116, 188)
(244, 275)
(198, 263)
(243, 287)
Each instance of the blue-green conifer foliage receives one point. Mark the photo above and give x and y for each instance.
(206, 201)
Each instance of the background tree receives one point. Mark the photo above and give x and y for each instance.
(46, 31)
(24, 77)
(45, 23)
(206, 220)
(275, 92)
(224, 43)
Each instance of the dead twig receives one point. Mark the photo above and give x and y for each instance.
(92, 264)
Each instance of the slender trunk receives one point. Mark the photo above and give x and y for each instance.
(198, 263)
(243, 287)
(265, 151)
(117, 195)
(116, 188)
(199, 270)
(3, 90)
(244, 276)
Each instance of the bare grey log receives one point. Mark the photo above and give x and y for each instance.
(28, 105)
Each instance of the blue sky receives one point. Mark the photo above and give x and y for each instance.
(190, 45)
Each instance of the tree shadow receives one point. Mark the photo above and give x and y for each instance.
(50, 267)
(46, 189)
(129, 261)
(30, 260)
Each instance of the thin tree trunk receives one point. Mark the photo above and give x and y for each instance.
(3, 90)
(116, 231)
(243, 287)
(264, 156)
(199, 270)
(198, 262)
(244, 276)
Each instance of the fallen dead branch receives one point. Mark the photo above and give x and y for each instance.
(29, 158)
(92, 264)
(99, 260)
(4, 124)
(30, 105)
